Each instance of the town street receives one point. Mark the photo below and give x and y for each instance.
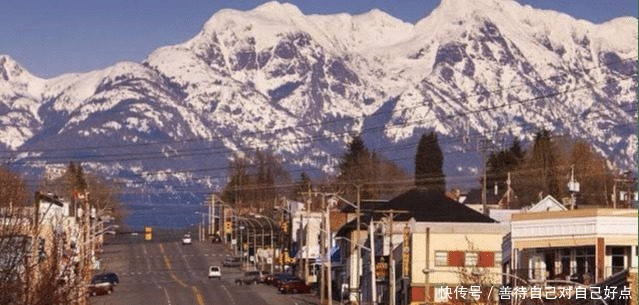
(167, 272)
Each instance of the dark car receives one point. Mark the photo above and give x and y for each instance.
(232, 262)
(295, 286)
(216, 239)
(99, 289)
(107, 277)
(250, 277)
(284, 277)
(269, 278)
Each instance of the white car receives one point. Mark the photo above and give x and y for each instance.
(186, 240)
(215, 272)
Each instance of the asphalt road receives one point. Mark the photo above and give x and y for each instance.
(167, 272)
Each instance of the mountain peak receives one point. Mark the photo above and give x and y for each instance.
(376, 15)
(276, 8)
(9, 68)
(459, 8)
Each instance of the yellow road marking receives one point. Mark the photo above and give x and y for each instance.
(198, 296)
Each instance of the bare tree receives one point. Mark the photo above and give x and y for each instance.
(34, 268)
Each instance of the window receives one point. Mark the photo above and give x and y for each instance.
(498, 258)
(441, 258)
(471, 259)
(618, 257)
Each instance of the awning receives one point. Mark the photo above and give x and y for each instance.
(335, 255)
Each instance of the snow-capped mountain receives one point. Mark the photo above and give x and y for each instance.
(300, 85)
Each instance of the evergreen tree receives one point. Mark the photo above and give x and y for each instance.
(355, 169)
(501, 163)
(429, 163)
(80, 181)
(538, 176)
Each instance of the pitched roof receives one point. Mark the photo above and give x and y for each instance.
(431, 206)
(549, 203)
(425, 206)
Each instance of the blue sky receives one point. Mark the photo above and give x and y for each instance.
(53, 37)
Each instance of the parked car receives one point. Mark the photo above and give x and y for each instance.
(106, 277)
(263, 276)
(249, 277)
(284, 277)
(269, 278)
(232, 262)
(215, 272)
(295, 286)
(99, 289)
(186, 240)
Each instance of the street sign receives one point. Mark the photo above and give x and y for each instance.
(234, 242)
(406, 252)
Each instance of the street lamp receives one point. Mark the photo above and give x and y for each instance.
(272, 241)
(250, 223)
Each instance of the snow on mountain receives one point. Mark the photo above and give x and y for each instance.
(273, 78)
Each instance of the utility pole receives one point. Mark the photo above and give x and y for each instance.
(308, 221)
(212, 216)
(391, 260)
(329, 266)
(508, 190)
(573, 187)
(484, 149)
(391, 214)
(357, 241)
(483, 188)
(427, 280)
(83, 249)
(614, 195)
(322, 254)
(371, 229)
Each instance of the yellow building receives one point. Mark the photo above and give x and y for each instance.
(449, 255)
